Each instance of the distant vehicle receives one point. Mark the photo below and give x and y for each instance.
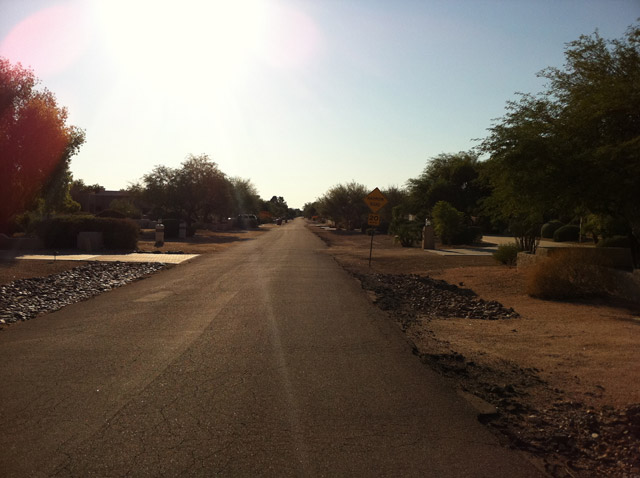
(246, 221)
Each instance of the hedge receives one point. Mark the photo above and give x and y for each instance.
(567, 233)
(62, 231)
(549, 229)
(615, 241)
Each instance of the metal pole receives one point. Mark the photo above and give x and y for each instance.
(373, 231)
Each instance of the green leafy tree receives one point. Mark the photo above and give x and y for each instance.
(197, 191)
(447, 221)
(310, 209)
(448, 177)
(576, 146)
(345, 205)
(396, 197)
(245, 197)
(278, 207)
(36, 146)
(125, 207)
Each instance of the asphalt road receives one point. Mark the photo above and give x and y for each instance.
(267, 360)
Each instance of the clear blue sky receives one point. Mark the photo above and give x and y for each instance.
(296, 96)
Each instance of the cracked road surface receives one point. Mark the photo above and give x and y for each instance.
(267, 360)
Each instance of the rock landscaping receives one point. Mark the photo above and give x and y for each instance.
(25, 299)
(410, 294)
(571, 439)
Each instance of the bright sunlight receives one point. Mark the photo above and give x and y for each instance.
(168, 43)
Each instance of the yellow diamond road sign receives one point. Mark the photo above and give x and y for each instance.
(375, 200)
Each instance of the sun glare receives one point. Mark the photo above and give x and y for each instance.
(174, 43)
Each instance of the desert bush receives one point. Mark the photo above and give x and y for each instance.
(61, 232)
(507, 253)
(407, 232)
(549, 228)
(570, 274)
(447, 221)
(566, 233)
(615, 241)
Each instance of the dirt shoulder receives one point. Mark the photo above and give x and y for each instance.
(203, 242)
(562, 376)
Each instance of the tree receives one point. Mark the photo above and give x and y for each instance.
(310, 210)
(203, 191)
(36, 145)
(447, 177)
(576, 146)
(345, 205)
(397, 198)
(125, 207)
(523, 170)
(598, 91)
(278, 207)
(79, 188)
(197, 191)
(245, 197)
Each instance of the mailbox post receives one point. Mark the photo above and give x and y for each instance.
(159, 233)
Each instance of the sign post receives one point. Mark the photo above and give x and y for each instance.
(376, 201)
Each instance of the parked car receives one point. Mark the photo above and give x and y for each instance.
(246, 221)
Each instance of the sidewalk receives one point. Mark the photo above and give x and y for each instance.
(70, 256)
(491, 244)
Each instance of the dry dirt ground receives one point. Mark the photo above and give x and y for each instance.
(564, 377)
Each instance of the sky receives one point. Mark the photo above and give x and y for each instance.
(295, 95)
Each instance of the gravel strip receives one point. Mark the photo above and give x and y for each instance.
(413, 294)
(25, 299)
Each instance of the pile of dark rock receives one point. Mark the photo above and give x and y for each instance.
(25, 299)
(570, 438)
(413, 294)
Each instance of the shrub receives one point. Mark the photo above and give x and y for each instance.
(569, 274)
(447, 221)
(615, 241)
(408, 233)
(62, 232)
(566, 233)
(549, 228)
(111, 213)
(507, 253)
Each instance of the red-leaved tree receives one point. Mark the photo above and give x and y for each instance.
(36, 144)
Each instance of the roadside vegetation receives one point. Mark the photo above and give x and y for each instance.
(562, 164)
(40, 197)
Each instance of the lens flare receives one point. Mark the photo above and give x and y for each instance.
(49, 41)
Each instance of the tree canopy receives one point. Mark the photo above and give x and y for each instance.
(575, 147)
(344, 204)
(36, 144)
(447, 177)
(197, 191)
